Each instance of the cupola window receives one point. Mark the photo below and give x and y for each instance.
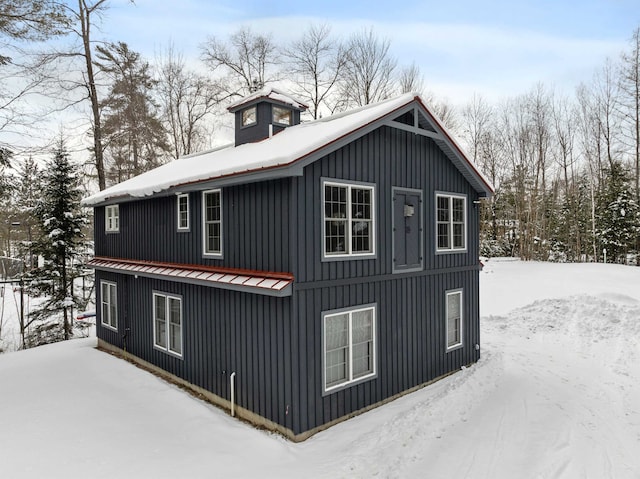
(249, 116)
(281, 116)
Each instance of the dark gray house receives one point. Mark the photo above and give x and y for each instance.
(305, 274)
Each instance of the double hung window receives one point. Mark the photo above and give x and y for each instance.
(108, 305)
(112, 218)
(212, 222)
(167, 323)
(183, 212)
(451, 223)
(454, 319)
(349, 211)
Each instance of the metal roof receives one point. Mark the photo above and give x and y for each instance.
(259, 282)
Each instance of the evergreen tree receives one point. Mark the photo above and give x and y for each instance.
(134, 137)
(618, 214)
(62, 242)
(28, 188)
(5, 194)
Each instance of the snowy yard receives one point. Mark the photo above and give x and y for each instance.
(555, 395)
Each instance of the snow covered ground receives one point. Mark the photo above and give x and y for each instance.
(555, 395)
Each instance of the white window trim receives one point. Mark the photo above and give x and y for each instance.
(112, 218)
(451, 248)
(374, 354)
(178, 198)
(215, 254)
(458, 345)
(109, 323)
(348, 255)
(167, 349)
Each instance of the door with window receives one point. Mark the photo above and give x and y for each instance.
(407, 230)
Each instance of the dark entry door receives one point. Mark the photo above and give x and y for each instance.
(407, 229)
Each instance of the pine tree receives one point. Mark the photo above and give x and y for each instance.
(62, 241)
(6, 188)
(618, 214)
(28, 188)
(135, 139)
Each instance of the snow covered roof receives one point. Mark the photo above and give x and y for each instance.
(279, 155)
(270, 93)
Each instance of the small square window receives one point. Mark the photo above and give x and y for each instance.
(112, 218)
(249, 116)
(281, 116)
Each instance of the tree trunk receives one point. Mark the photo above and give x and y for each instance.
(84, 13)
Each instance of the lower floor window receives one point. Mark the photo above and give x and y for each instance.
(108, 302)
(167, 323)
(349, 346)
(454, 319)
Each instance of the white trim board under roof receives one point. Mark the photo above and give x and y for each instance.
(286, 153)
(260, 282)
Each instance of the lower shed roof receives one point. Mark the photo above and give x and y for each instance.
(249, 281)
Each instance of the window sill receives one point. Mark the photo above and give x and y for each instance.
(347, 257)
(343, 386)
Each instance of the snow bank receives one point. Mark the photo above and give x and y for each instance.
(556, 394)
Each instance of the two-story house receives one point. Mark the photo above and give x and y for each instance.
(304, 274)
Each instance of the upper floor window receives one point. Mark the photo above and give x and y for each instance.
(212, 222)
(348, 220)
(454, 319)
(281, 115)
(112, 218)
(249, 116)
(349, 339)
(183, 212)
(109, 305)
(451, 222)
(167, 323)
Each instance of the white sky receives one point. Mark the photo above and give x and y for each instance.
(496, 48)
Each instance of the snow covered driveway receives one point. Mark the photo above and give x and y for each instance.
(555, 395)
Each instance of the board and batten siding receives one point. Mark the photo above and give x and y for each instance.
(410, 306)
(275, 344)
(388, 158)
(223, 332)
(411, 340)
(255, 229)
(276, 352)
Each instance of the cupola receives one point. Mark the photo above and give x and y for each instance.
(263, 114)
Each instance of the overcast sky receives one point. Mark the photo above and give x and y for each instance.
(494, 48)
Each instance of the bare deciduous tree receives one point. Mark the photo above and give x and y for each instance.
(247, 61)
(21, 23)
(410, 79)
(630, 103)
(317, 62)
(187, 99)
(369, 70)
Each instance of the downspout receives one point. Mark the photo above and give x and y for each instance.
(232, 379)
